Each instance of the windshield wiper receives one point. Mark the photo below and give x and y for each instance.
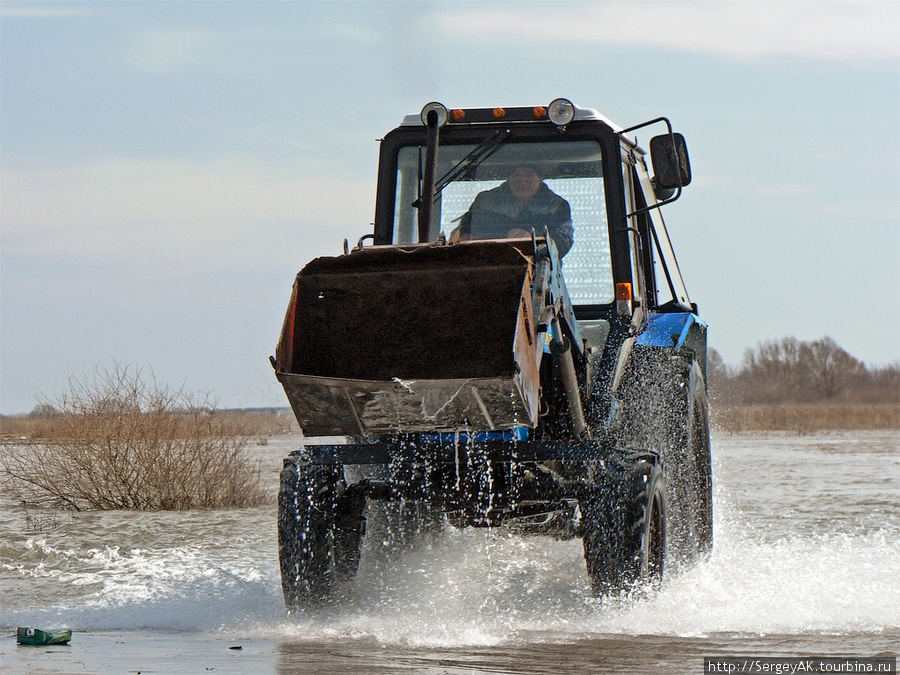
(479, 153)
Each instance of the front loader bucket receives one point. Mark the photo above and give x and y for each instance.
(401, 339)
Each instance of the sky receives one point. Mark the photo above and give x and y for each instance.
(166, 168)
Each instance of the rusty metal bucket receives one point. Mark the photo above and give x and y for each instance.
(418, 338)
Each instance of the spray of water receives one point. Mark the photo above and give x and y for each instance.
(462, 587)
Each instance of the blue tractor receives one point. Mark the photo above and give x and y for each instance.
(511, 346)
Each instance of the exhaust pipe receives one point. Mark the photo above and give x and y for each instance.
(426, 202)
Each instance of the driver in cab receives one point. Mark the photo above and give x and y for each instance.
(521, 205)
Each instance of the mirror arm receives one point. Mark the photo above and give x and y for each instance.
(656, 205)
(647, 124)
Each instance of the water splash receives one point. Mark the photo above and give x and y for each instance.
(768, 573)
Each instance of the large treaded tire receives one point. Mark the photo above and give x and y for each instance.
(320, 528)
(699, 449)
(688, 464)
(666, 409)
(624, 526)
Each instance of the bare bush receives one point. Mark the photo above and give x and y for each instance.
(121, 441)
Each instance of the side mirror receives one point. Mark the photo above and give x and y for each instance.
(671, 166)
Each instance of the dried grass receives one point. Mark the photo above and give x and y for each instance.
(806, 417)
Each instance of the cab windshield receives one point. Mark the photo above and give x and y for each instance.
(501, 189)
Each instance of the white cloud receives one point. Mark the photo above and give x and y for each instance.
(186, 214)
(21, 10)
(819, 29)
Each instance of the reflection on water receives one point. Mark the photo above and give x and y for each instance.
(807, 546)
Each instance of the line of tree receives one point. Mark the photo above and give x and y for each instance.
(792, 370)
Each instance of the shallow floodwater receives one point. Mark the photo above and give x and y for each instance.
(806, 562)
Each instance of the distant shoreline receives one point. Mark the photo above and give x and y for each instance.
(805, 417)
(794, 417)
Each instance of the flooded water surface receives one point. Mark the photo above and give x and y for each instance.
(806, 562)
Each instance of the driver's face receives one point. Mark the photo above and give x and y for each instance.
(524, 183)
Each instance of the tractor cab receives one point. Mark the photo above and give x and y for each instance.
(618, 248)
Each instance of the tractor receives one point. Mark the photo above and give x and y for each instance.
(511, 345)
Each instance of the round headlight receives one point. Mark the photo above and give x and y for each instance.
(561, 111)
(439, 108)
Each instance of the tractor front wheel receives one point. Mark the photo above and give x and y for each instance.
(624, 527)
(320, 528)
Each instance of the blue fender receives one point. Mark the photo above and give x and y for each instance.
(669, 330)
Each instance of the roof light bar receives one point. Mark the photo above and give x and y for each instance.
(560, 112)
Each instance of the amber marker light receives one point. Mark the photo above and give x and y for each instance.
(539, 112)
(623, 291)
(624, 297)
(499, 113)
(457, 114)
